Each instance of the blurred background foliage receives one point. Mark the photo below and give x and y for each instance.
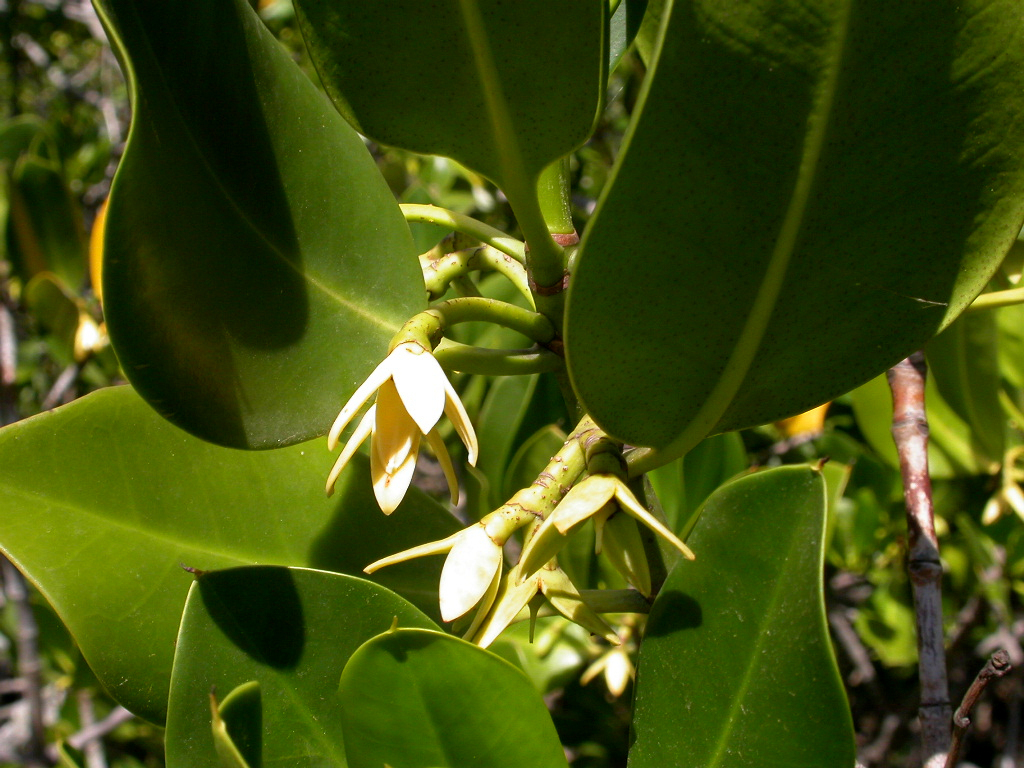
(63, 120)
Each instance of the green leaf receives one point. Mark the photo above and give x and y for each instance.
(809, 192)
(256, 264)
(418, 698)
(135, 498)
(964, 360)
(237, 728)
(506, 89)
(292, 632)
(684, 484)
(736, 668)
(623, 28)
(45, 223)
(1011, 344)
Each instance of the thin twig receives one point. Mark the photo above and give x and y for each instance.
(61, 387)
(118, 715)
(997, 666)
(8, 362)
(29, 665)
(910, 432)
(875, 752)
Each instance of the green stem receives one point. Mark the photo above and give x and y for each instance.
(465, 287)
(553, 195)
(428, 327)
(454, 356)
(467, 225)
(997, 299)
(440, 272)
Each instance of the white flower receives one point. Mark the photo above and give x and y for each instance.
(472, 569)
(412, 393)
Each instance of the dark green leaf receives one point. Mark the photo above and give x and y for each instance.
(238, 725)
(289, 630)
(256, 265)
(504, 88)
(808, 194)
(419, 698)
(623, 27)
(736, 668)
(684, 484)
(136, 498)
(45, 225)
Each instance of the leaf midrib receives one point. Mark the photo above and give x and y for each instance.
(749, 340)
(796, 543)
(353, 307)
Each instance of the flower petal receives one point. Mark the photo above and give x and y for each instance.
(565, 599)
(390, 487)
(439, 547)
(380, 374)
(484, 606)
(420, 383)
(468, 572)
(394, 430)
(441, 452)
(511, 599)
(362, 431)
(457, 415)
(629, 503)
(583, 500)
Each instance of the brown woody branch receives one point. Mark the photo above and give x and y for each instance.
(997, 666)
(910, 431)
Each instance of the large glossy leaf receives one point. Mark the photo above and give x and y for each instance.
(256, 264)
(504, 88)
(809, 192)
(104, 502)
(289, 630)
(420, 698)
(736, 668)
(684, 484)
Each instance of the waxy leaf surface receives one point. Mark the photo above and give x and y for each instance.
(290, 630)
(256, 264)
(736, 668)
(504, 88)
(419, 698)
(808, 193)
(104, 538)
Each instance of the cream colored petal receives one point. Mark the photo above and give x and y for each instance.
(420, 383)
(432, 548)
(380, 374)
(394, 430)
(457, 415)
(390, 487)
(468, 572)
(511, 599)
(624, 547)
(583, 500)
(618, 671)
(629, 503)
(545, 543)
(565, 599)
(484, 606)
(362, 431)
(441, 452)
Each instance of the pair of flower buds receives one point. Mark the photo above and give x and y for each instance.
(412, 393)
